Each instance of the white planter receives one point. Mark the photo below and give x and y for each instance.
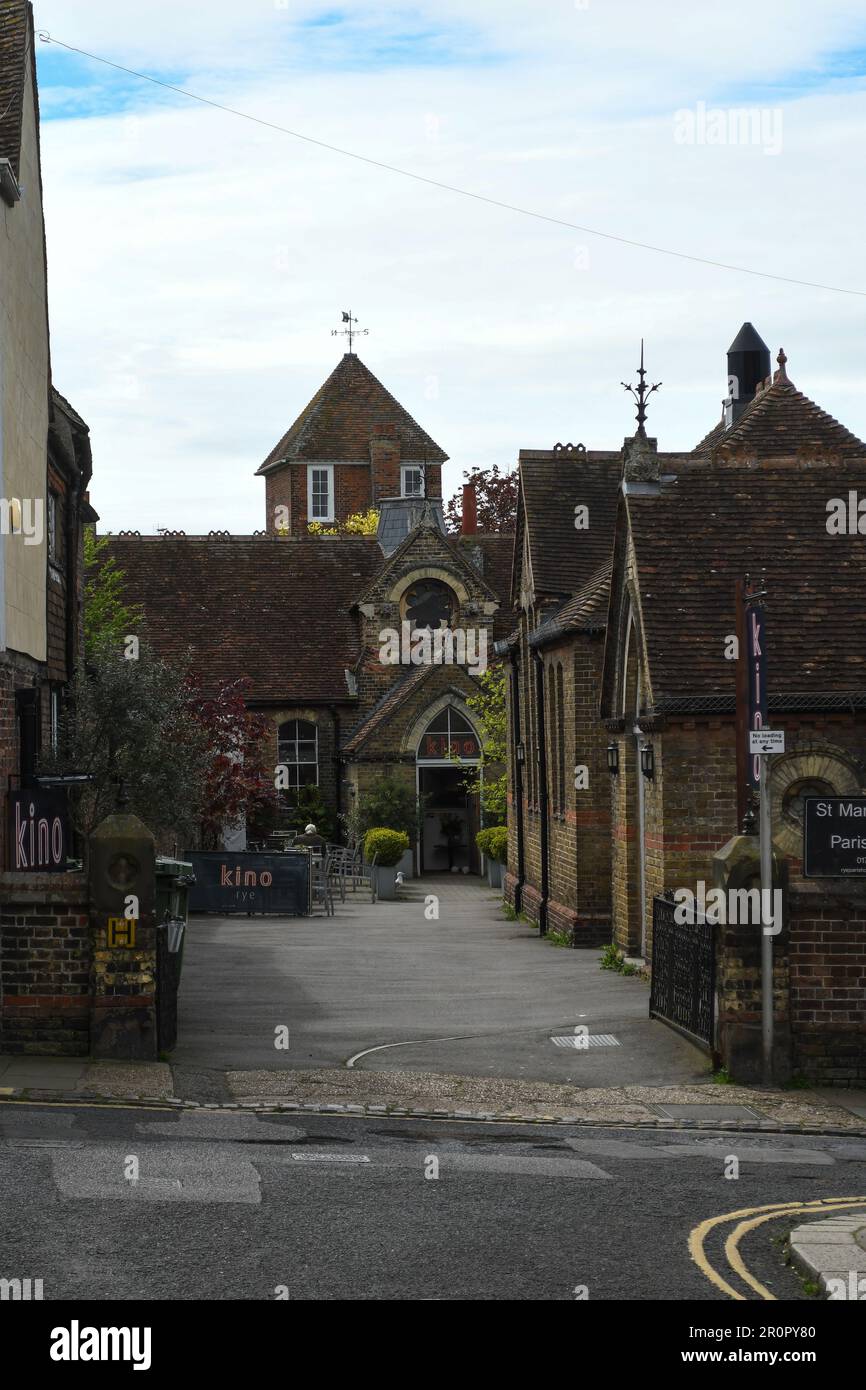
(386, 882)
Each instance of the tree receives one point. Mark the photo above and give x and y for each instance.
(106, 617)
(390, 803)
(358, 524)
(496, 500)
(489, 704)
(236, 782)
(130, 720)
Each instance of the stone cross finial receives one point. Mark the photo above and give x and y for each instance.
(781, 374)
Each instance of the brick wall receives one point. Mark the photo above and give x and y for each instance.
(45, 964)
(827, 945)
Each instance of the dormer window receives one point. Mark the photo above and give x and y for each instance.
(412, 480)
(320, 492)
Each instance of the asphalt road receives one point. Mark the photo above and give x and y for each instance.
(374, 976)
(231, 1205)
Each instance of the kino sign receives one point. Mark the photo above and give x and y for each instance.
(834, 837)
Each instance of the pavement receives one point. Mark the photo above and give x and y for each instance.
(157, 1202)
(387, 1010)
(832, 1253)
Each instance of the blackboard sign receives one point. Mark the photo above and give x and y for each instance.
(227, 882)
(834, 837)
(37, 830)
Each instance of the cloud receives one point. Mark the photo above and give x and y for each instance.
(197, 262)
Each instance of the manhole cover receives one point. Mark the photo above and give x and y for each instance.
(705, 1112)
(581, 1042)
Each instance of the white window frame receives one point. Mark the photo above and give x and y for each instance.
(286, 746)
(313, 468)
(411, 468)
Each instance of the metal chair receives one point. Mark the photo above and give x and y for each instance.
(366, 879)
(321, 884)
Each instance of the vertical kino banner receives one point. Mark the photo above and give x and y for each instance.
(756, 649)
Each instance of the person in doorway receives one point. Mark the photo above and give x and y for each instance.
(311, 839)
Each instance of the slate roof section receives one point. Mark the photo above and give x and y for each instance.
(778, 423)
(497, 549)
(585, 612)
(387, 707)
(348, 410)
(275, 609)
(16, 44)
(564, 559)
(713, 524)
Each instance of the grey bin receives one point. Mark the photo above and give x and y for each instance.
(174, 878)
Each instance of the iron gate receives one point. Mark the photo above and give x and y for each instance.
(683, 988)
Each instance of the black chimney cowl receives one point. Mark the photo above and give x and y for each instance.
(748, 366)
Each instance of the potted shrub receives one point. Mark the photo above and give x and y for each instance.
(388, 846)
(493, 843)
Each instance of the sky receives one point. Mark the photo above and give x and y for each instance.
(198, 261)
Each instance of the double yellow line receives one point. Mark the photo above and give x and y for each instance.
(748, 1218)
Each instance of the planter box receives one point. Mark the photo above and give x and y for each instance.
(386, 882)
(494, 873)
(406, 865)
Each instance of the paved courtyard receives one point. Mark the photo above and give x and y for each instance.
(470, 994)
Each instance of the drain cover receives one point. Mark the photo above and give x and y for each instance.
(705, 1112)
(587, 1040)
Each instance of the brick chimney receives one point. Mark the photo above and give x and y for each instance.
(469, 524)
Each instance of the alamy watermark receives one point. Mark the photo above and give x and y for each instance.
(730, 907)
(732, 125)
(441, 646)
(23, 517)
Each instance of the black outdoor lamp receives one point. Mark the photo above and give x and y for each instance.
(647, 760)
(521, 753)
(613, 758)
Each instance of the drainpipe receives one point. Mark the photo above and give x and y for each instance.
(338, 766)
(518, 779)
(542, 786)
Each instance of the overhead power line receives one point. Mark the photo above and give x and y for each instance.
(448, 187)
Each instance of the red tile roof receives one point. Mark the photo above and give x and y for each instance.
(779, 422)
(348, 410)
(552, 485)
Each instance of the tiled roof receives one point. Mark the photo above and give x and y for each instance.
(275, 609)
(497, 549)
(586, 611)
(563, 558)
(16, 39)
(387, 706)
(348, 410)
(779, 423)
(716, 523)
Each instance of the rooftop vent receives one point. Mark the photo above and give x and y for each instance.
(748, 366)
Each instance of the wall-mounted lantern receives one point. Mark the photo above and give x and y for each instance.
(647, 760)
(613, 758)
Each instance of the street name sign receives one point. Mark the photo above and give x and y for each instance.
(767, 741)
(834, 837)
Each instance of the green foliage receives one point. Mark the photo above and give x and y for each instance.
(612, 958)
(305, 807)
(389, 846)
(489, 704)
(131, 720)
(391, 802)
(107, 619)
(358, 524)
(558, 938)
(722, 1077)
(493, 841)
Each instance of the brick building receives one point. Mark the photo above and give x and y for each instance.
(305, 617)
(45, 466)
(45, 461)
(623, 755)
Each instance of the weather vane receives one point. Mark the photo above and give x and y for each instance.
(640, 393)
(348, 332)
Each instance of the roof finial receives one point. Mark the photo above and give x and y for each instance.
(781, 374)
(641, 392)
(348, 332)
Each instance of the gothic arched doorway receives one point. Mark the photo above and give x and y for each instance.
(447, 750)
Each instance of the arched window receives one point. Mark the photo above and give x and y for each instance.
(298, 751)
(449, 735)
(428, 603)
